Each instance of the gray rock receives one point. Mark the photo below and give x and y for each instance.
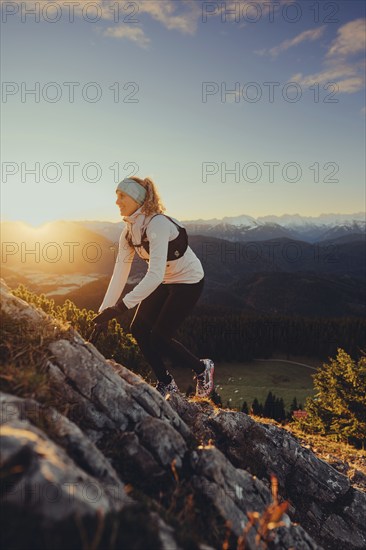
(121, 414)
(230, 493)
(317, 492)
(50, 500)
(68, 436)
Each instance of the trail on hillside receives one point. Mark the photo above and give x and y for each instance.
(287, 361)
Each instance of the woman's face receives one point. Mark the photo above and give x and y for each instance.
(126, 204)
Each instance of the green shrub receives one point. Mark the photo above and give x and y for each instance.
(338, 409)
(116, 344)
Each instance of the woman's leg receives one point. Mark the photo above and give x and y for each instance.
(179, 303)
(146, 314)
(157, 319)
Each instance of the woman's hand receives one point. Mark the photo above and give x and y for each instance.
(96, 333)
(101, 320)
(110, 313)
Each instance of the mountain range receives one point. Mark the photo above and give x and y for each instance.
(251, 266)
(246, 228)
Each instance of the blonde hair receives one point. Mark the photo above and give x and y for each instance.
(152, 203)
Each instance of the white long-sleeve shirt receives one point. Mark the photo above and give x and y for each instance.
(187, 269)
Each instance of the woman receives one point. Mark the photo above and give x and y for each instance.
(166, 294)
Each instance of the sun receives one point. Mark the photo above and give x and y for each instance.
(35, 232)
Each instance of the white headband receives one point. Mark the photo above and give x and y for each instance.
(132, 188)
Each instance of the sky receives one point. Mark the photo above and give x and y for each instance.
(232, 108)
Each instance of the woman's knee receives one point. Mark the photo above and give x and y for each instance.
(140, 331)
(158, 339)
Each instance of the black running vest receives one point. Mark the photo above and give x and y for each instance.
(176, 247)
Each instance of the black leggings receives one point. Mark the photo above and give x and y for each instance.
(157, 319)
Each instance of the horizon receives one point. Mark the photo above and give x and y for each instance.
(186, 219)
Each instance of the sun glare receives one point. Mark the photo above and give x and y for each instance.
(37, 232)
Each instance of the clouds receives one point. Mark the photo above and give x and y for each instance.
(305, 36)
(348, 78)
(136, 34)
(124, 20)
(340, 65)
(165, 13)
(350, 40)
(324, 78)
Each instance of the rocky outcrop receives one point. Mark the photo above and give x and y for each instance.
(154, 473)
(46, 496)
(321, 498)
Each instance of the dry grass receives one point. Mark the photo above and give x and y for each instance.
(24, 355)
(207, 403)
(341, 456)
(345, 458)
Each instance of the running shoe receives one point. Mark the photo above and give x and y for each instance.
(205, 381)
(164, 389)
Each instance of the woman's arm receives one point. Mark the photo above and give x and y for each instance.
(120, 274)
(158, 232)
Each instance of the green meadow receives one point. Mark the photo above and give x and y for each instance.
(239, 382)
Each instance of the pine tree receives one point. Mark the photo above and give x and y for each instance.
(269, 406)
(293, 407)
(244, 408)
(339, 407)
(280, 409)
(257, 408)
